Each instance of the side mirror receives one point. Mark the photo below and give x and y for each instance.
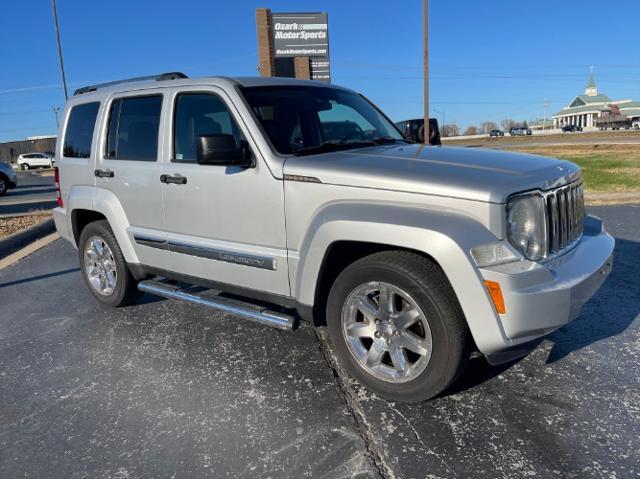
(222, 150)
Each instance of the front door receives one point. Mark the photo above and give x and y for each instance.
(128, 167)
(224, 224)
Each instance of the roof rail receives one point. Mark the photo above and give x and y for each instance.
(160, 77)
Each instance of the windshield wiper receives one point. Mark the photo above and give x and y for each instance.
(385, 140)
(332, 146)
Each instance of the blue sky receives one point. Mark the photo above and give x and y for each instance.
(489, 60)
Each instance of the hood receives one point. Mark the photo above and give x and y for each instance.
(469, 173)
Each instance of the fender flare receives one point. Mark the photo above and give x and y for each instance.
(445, 236)
(106, 203)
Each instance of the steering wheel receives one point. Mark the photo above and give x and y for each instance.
(353, 135)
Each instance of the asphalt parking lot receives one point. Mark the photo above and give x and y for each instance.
(34, 192)
(166, 389)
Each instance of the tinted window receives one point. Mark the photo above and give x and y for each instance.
(133, 128)
(200, 114)
(77, 138)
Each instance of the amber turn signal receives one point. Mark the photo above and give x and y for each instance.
(496, 296)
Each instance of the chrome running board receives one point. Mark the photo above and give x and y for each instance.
(250, 311)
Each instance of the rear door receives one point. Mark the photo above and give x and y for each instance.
(128, 167)
(41, 160)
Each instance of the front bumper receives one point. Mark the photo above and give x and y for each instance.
(540, 298)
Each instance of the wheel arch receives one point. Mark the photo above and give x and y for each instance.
(443, 237)
(338, 256)
(91, 204)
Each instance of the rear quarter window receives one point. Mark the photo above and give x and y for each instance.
(79, 133)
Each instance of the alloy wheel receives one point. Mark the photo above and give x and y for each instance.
(386, 332)
(100, 266)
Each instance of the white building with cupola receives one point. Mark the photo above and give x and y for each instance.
(584, 109)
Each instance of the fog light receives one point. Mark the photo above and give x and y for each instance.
(492, 254)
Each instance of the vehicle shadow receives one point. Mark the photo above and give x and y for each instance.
(610, 312)
(478, 371)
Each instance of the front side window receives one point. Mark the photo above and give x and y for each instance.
(196, 115)
(306, 120)
(133, 128)
(79, 132)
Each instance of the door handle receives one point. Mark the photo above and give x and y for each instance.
(103, 173)
(175, 179)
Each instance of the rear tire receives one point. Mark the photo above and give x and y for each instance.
(103, 266)
(398, 362)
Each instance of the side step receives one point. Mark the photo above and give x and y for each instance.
(252, 312)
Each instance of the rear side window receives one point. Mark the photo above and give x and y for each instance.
(133, 128)
(79, 133)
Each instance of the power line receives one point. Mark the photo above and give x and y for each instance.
(22, 112)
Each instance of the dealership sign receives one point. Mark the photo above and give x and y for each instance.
(303, 35)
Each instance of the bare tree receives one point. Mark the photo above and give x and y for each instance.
(508, 124)
(487, 126)
(450, 130)
(471, 130)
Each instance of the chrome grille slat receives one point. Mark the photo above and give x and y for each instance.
(562, 206)
(552, 209)
(565, 217)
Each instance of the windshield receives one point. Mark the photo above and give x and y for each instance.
(307, 119)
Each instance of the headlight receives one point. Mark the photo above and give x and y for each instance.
(527, 225)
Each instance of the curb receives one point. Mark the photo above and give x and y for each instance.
(19, 240)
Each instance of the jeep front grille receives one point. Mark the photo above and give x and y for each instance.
(565, 217)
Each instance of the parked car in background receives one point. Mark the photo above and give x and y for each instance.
(496, 133)
(520, 131)
(414, 130)
(8, 177)
(571, 128)
(30, 161)
(283, 199)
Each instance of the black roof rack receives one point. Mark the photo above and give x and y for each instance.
(161, 77)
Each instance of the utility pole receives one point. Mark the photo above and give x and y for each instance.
(425, 8)
(544, 121)
(56, 109)
(55, 22)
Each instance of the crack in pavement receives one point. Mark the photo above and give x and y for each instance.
(374, 449)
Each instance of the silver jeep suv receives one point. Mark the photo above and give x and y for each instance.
(290, 199)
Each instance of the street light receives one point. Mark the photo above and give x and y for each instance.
(56, 109)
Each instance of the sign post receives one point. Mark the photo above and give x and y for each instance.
(294, 39)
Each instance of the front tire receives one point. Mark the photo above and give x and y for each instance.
(24, 167)
(396, 326)
(4, 185)
(103, 266)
